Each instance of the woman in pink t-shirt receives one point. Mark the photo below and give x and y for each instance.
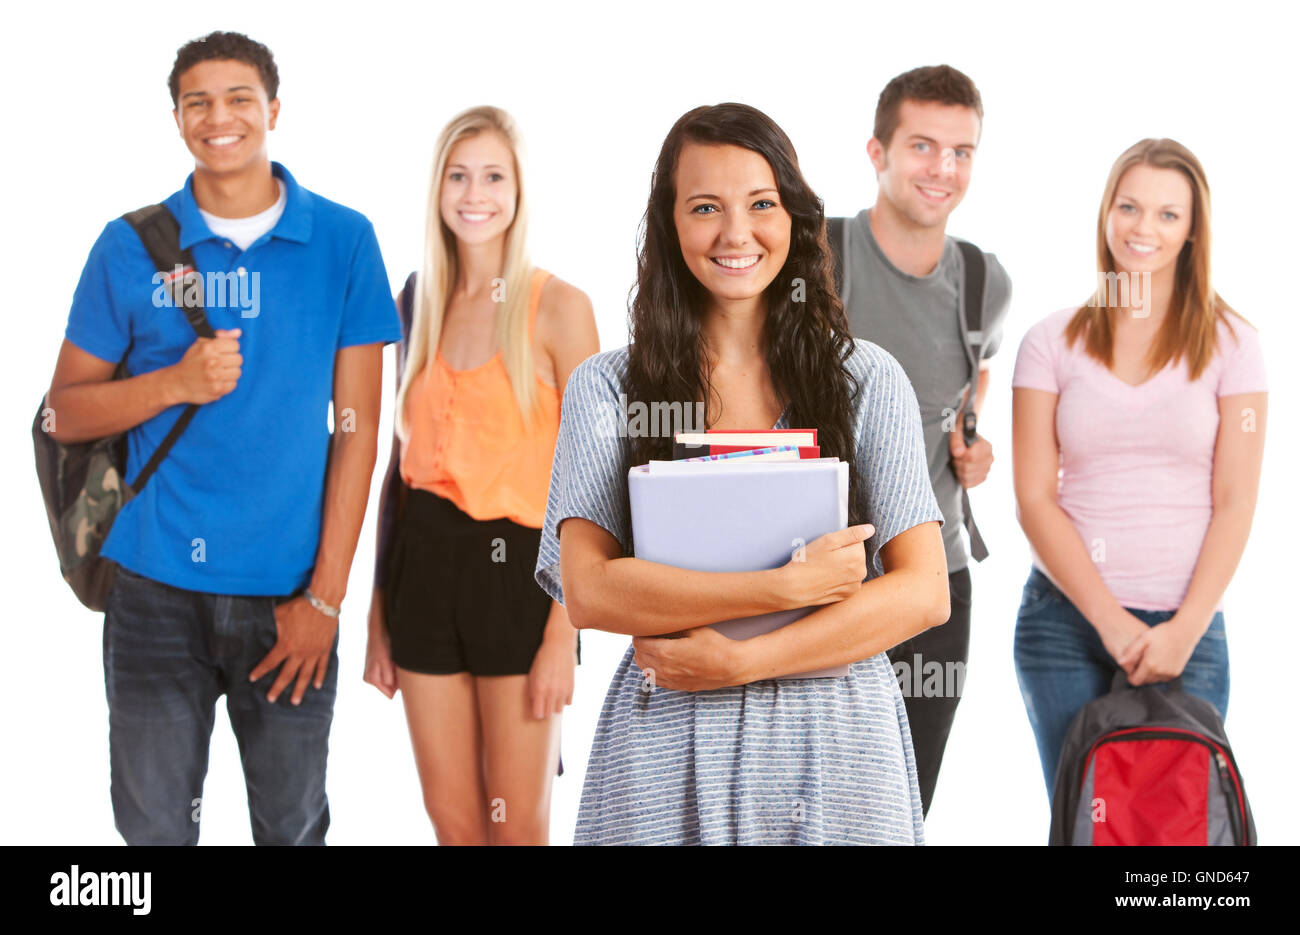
(1138, 432)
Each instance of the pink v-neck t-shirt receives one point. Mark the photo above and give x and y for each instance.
(1137, 461)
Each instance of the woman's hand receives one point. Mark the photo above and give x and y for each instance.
(550, 678)
(828, 569)
(380, 671)
(1118, 634)
(695, 661)
(1159, 654)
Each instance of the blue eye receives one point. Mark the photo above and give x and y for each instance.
(1126, 207)
(765, 202)
(699, 209)
(922, 147)
(1171, 216)
(963, 154)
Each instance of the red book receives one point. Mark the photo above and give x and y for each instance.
(717, 441)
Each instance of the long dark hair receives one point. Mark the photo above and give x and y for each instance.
(806, 343)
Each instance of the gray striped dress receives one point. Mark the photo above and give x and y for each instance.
(800, 761)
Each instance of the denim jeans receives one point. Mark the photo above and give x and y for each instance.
(169, 654)
(930, 712)
(1062, 665)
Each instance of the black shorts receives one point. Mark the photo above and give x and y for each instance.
(461, 595)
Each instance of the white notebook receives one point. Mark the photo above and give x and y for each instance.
(722, 516)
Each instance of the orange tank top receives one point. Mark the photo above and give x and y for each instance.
(468, 441)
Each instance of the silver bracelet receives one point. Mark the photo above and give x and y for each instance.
(320, 605)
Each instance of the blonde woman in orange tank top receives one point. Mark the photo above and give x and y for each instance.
(483, 658)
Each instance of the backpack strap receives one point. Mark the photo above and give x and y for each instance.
(837, 237)
(973, 330)
(160, 233)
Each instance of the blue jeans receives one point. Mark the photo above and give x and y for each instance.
(169, 654)
(1062, 665)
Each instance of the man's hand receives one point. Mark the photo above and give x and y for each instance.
(304, 638)
(971, 464)
(210, 368)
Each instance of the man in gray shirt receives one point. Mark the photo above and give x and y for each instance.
(903, 284)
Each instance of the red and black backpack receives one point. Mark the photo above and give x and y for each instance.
(1149, 766)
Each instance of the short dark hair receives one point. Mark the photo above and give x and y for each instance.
(232, 46)
(940, 84)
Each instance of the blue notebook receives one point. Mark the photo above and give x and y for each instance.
(733, 516)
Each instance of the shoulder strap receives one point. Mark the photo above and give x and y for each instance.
(834, 238)
(973, 320)
(160, 233)
(973, 298)
(406, 313)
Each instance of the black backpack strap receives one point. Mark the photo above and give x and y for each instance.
(973, 320)
(835, 238)
(406, 312)
(160, 233)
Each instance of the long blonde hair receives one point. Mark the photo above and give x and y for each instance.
(1190, 328)
(440, 268)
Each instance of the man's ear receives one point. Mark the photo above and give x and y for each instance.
(876, 153)
(273, 111)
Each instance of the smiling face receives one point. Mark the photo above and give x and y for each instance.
(733, 231)
(925, 170)
(1149, 220)
(479, 188)
(223, 115)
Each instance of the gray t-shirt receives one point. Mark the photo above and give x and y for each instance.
(918, 319)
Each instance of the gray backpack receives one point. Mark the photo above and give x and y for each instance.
(1149, 766)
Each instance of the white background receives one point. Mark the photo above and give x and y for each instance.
(365, 89)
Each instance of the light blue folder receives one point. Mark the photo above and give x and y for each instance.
(722, 516)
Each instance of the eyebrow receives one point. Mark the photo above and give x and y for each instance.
(458, 165)
(923, 137)
(757, 191)
(238, 87)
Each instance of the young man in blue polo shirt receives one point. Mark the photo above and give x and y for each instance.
(234, 557)
(903, 288)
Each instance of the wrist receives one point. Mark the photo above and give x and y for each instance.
(170, 388)
(778, 586)
(1193, 624)
(321, 605)
(745, 660)
(329, 588)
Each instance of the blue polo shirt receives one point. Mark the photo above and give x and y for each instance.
(236, 507)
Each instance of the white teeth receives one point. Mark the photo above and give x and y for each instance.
(934, 192)
(1140, 248)
(223, 140)
(471, 216)
(744, 262)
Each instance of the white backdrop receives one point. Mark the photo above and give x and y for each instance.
(365, 89)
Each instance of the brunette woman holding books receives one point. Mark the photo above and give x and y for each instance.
(701, 740)
(484, 659)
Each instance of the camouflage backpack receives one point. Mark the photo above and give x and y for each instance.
(84, 483)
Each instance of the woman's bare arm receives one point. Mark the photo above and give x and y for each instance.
(1036, 465)
(605, 591)
(1238, 457)
(910, 597)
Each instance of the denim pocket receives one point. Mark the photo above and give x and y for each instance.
(1037, 594)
